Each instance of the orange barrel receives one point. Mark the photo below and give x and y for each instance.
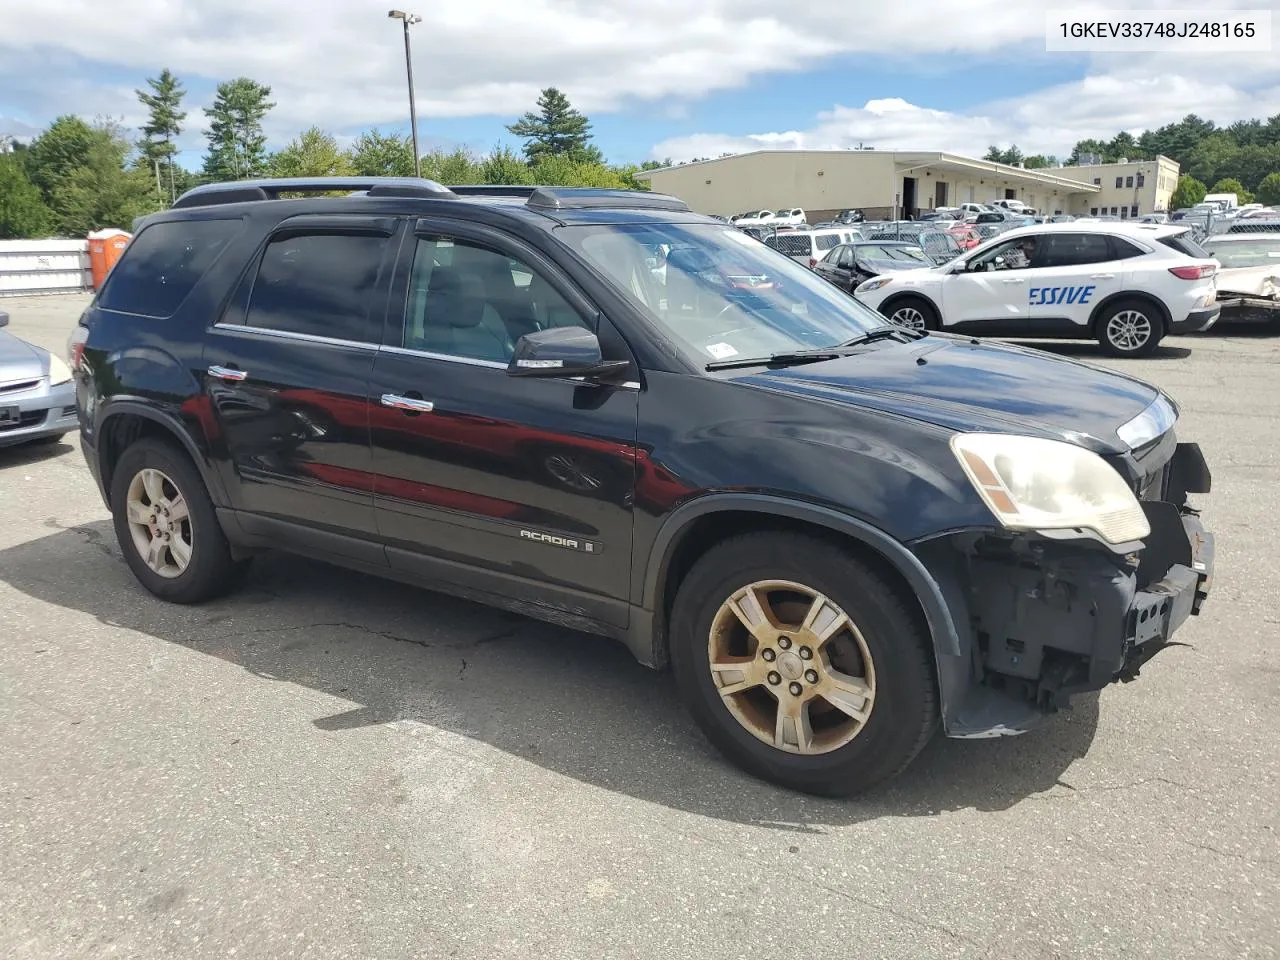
(105, 248)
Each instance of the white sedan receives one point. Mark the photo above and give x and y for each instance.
(1126, 285)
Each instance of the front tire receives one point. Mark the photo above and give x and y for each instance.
(1130, 328)
(914, 313)
(802, 664)
(166, 525)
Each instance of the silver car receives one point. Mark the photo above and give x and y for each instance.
(37, 396)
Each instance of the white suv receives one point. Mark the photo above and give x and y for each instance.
(1125, 284)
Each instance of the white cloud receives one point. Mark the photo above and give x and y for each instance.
(1138, 94)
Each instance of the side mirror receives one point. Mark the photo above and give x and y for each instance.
(4, 319)
(563, 352)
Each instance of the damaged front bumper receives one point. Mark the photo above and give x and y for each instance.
(1051, 619)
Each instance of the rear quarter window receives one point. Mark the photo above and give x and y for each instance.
(163, 263)
(1183, 243)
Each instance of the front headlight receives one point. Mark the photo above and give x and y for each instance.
(1035, 484)
(874, 284)
(59, 372)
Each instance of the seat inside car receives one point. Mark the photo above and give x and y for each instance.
(457, 319)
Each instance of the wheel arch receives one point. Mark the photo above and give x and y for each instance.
(1110, 301)
(698, 525)
(126, 421)
(889, 302)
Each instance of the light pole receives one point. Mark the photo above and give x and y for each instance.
(409, 19)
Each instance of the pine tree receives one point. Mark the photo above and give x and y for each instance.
(556, 130)
(164, 123)
(313, 154)
(237, 145)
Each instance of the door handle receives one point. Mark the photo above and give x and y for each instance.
(227, 373)
(412, 404)
(1102, 276)
(1014, 280)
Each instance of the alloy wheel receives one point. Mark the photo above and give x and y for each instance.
(908, 317)
(159, 522)
(1129, 330)
(791, 667)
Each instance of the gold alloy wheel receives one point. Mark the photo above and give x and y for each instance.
(159, 522)
(791, 667)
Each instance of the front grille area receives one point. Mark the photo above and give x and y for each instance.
(18, 387)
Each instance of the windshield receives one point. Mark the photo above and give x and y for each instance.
(1245, 253)
(721, 295)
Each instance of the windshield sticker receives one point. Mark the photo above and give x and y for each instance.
(721, 351)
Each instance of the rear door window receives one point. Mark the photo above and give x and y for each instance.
(163, 263)
(319, 284)
(1072, 249)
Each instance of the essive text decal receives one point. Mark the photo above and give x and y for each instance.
(1048, 296)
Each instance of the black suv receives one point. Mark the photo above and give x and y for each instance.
(838, 533)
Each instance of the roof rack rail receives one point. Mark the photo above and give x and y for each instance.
(242, 191)
(593, 198)
(494, 190)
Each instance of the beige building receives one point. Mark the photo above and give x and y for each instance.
(890, 184)
(1126, 188)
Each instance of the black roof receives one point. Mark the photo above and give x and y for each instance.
(560, 203)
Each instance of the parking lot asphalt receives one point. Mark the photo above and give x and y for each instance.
(328, 765)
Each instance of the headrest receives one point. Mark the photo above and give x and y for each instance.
(454, 299)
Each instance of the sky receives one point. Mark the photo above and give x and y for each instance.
(658, 79)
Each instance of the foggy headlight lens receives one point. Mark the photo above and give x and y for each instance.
(1035, 484)
(875, 284)
(59, 372)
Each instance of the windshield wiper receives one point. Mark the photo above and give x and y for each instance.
(883, 333)
(795, 357)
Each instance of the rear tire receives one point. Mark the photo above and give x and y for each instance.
(914, 313)
(156, 487)
(1130, 328)
(841, 659)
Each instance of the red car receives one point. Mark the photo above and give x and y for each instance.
(965, 235)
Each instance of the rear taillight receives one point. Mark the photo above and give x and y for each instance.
(1198, 272)
(812, 263)
(75, 347)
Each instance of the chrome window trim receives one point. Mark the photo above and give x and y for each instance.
(469, 361)
(1153, 422)
(291, 335)
(492, 364)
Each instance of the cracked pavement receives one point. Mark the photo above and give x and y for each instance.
(328, 765)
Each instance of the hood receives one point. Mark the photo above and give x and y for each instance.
(19, 361)
(1261, 281)
(971, 386)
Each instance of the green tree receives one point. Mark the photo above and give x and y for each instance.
(1124, 146)
(557, 129)
(1211, 157)
(502, 166)
(1269, 189)
(660, 164)
(1013, 156)
(314, 153)
(1084, 148)
(237, 145)
(23, 213)
(164, 123)
(57, 152)
(377, 154)
(100, 192)
(1232, 185)
(1038, 161)
(1187, 193)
